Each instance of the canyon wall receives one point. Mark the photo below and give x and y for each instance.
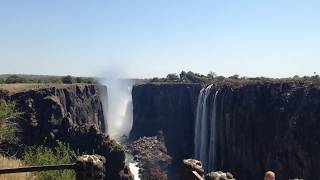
(72, 114)
(259, 126)
(168, 109)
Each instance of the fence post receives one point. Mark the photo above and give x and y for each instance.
(90, 167)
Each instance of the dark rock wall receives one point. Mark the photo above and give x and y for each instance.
(72, 114)
(269, 126)
(169, 108)
(261, 126)
(50, 112)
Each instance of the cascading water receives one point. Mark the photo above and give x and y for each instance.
(118, 108)
(204, 141)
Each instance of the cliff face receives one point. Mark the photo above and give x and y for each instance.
(268, 126)
(169, 108)
(49, 113)
(258, 127)
(72, 114)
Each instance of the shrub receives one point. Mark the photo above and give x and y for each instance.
(41, 155)
(67, 80)
(172, 77)
(8, 126)
(14, 79)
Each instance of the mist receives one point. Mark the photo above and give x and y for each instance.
(118, 106)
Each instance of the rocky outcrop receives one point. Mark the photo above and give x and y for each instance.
(219, 176)
(50, 113)
(72, 114)
(260, 126)
(169, 108)
(189, 166)
(151, 153)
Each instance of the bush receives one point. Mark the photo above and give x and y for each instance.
(8, 126)
(40, 155)
(67, 80)
(172, 77)
(14, 79)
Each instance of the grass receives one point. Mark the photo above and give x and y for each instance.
(21, 87)
(6, 162)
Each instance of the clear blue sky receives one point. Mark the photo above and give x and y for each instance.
(146, 38)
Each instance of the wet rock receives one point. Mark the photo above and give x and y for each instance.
(219, 175)
(151, 153)
(189, 165)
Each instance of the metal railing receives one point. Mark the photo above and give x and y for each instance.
(38, 168)
(86, 167)
(196, 175)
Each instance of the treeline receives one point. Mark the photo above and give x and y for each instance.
(191, 77)
(12, 79)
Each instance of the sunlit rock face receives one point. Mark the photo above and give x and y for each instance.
(72, 114)
(259, 126)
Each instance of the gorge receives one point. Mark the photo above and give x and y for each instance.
(243, 127)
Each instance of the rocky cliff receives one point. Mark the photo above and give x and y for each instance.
(72, 114)
(268, 126)
(259, 126)
(167, 109)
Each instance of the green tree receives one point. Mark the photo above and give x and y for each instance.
(236, 76)
(67, 79)
(79, 80)
(14, 79)
(211, 75)
(172, 77)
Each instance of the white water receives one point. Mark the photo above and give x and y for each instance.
(118, 113)
(133, 166)
(118, 107)
(205, 129)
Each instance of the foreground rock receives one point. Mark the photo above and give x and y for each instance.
(151, 153)
(219, 175)
(190, 165)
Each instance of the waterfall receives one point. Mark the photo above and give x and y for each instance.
(118, 107)
(204, 141)
(118, 113)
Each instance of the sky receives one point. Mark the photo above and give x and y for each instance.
(149, 38)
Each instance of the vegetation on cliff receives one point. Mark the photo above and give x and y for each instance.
(41, 155)
(8, 125)
(13, 79)
(212, 77)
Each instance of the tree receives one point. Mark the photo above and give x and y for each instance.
(14, 79)
(67, 80)
(183, 76)
(212, 75)
(236, 76)
(172, 77)
(8, 127)
(79, 80)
